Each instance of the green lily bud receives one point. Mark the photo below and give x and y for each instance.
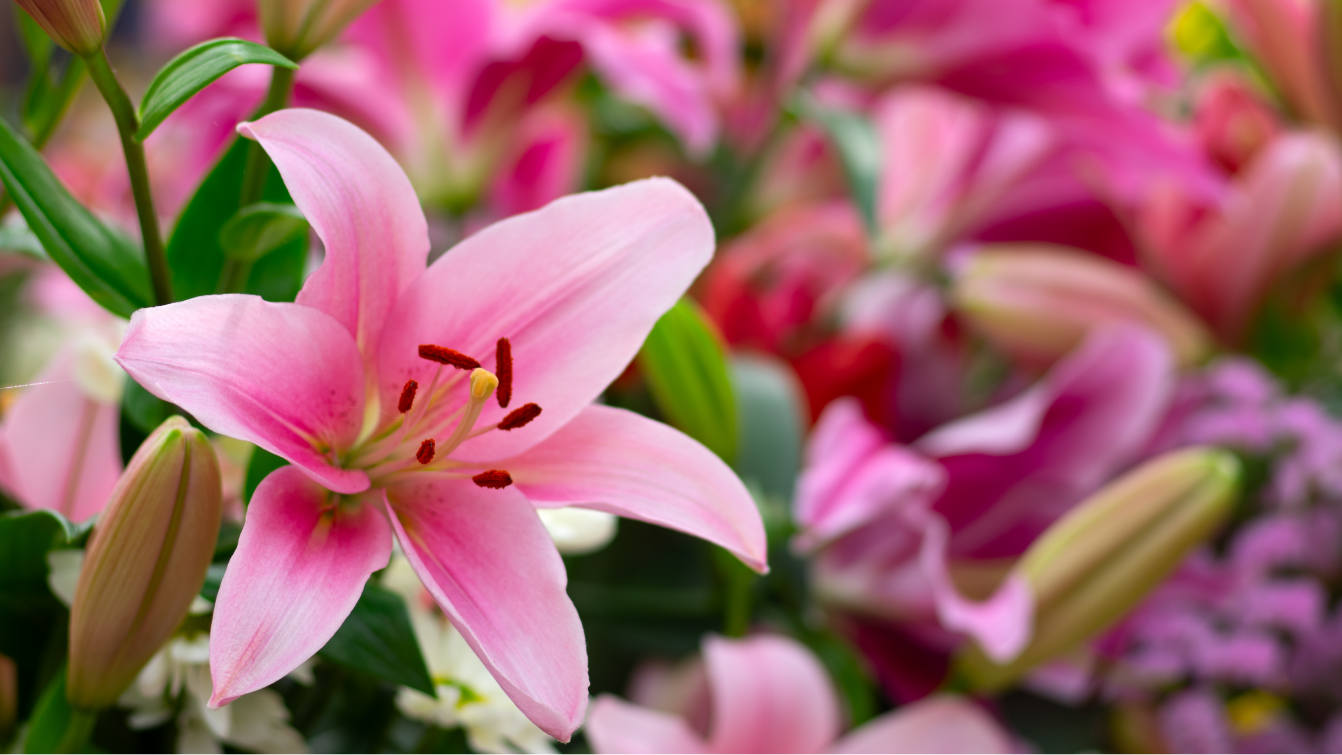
(77, 25)
(297, 27)
(1105, 555)
(145, 563)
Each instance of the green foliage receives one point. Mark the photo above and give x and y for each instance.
(771, 412)
(16, 237)
(196, 253)
(686, 368)
(262, 463)
(195, 69)
(859, 148)
(55, 725)
(106, 264)
(378, 639)
(262, 228)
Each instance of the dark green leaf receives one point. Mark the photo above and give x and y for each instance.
(262, 463)
(196, 69)
(25, 538)
(35, 41)
(772, 419)
(260, 229)
(56, 726)
(214, 576)
(145, 410)
(195, 253)
(379, 639)
(686, 368)
(859, 148)
(107, 265)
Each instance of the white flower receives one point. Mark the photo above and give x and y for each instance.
(577, 531)
(467, 694)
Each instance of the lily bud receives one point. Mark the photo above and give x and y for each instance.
(1037, 302)
(1102, 558)
(145, 563)
(297, 27)
(77, 25)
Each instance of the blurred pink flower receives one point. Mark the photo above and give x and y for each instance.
(897, 530)
(1233, 122)
(1281, 36)
(771, 694)
(568, 292)
(1283, 208)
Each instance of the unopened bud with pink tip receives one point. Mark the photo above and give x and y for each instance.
(146, 562)
(297, 27)
(1105, 555)
(77, 25)
(1037, 302)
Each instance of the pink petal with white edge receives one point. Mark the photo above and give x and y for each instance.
(283, 376)
(63, 449)
(770, 694)
(1002, 625)
(486, 558)
(576, 286)
(620, 462)
(362, 206)
(301, 564)
(941, 724)
(616, 726)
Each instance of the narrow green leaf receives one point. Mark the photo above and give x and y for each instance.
(145, 410)
(56, 726)
(262, 463)
(379, 639)
(16, 237)
(855, 139)
(685, 365)
(35, 41)
(196, 69)
(195, 253)
(107, 265)
(25, 538)
(771, 411)
(260, 229)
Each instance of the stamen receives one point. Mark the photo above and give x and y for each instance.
(503, 365)
(483, 384)
(444, 355)
(425, 453)
(520, 417)
(496, 479)
(407, 396)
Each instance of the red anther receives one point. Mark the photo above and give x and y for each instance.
(444, 355)
(520, 416)
(425, 453)
(503, 370)
(497, 479)
(407, 396)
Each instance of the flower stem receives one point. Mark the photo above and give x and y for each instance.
(127, 122)
(233, 277)
(77, 732)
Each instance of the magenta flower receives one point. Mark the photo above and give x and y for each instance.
(771, 694)
(370, 386)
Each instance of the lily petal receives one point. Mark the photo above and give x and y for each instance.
(770, 694)
(576, 286)
(617, 461)
(490, 564)
(362, 206)
(62, 447)
(615, 726)
(944, 723)
(283, 376)
(301, 564)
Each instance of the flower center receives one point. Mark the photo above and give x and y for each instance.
(422, 440)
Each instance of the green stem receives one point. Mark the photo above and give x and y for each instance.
(78, 731)
(234, 275)
(127, 122)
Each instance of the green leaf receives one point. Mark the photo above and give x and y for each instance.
(771, 411)
(685, 365)
(107, 265)
(25, 538)
(196, 69)
(196, 254)
(379, 639)
(35, 40)
(145, 410)
(56, 726)
(859, 148)
(262, 463)
(259, 229)
(16, 237)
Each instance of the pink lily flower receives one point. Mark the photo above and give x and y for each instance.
(369, 386)
(902, 531)
(771, 694)
(60, 446)
(1282, 210)
(1281, 35)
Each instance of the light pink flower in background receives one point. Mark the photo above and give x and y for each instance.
(890, 526)
(1281, 36)
(60, 446)
(771, 694)
(1283, 208)
(1232, 119)
(357, 385)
